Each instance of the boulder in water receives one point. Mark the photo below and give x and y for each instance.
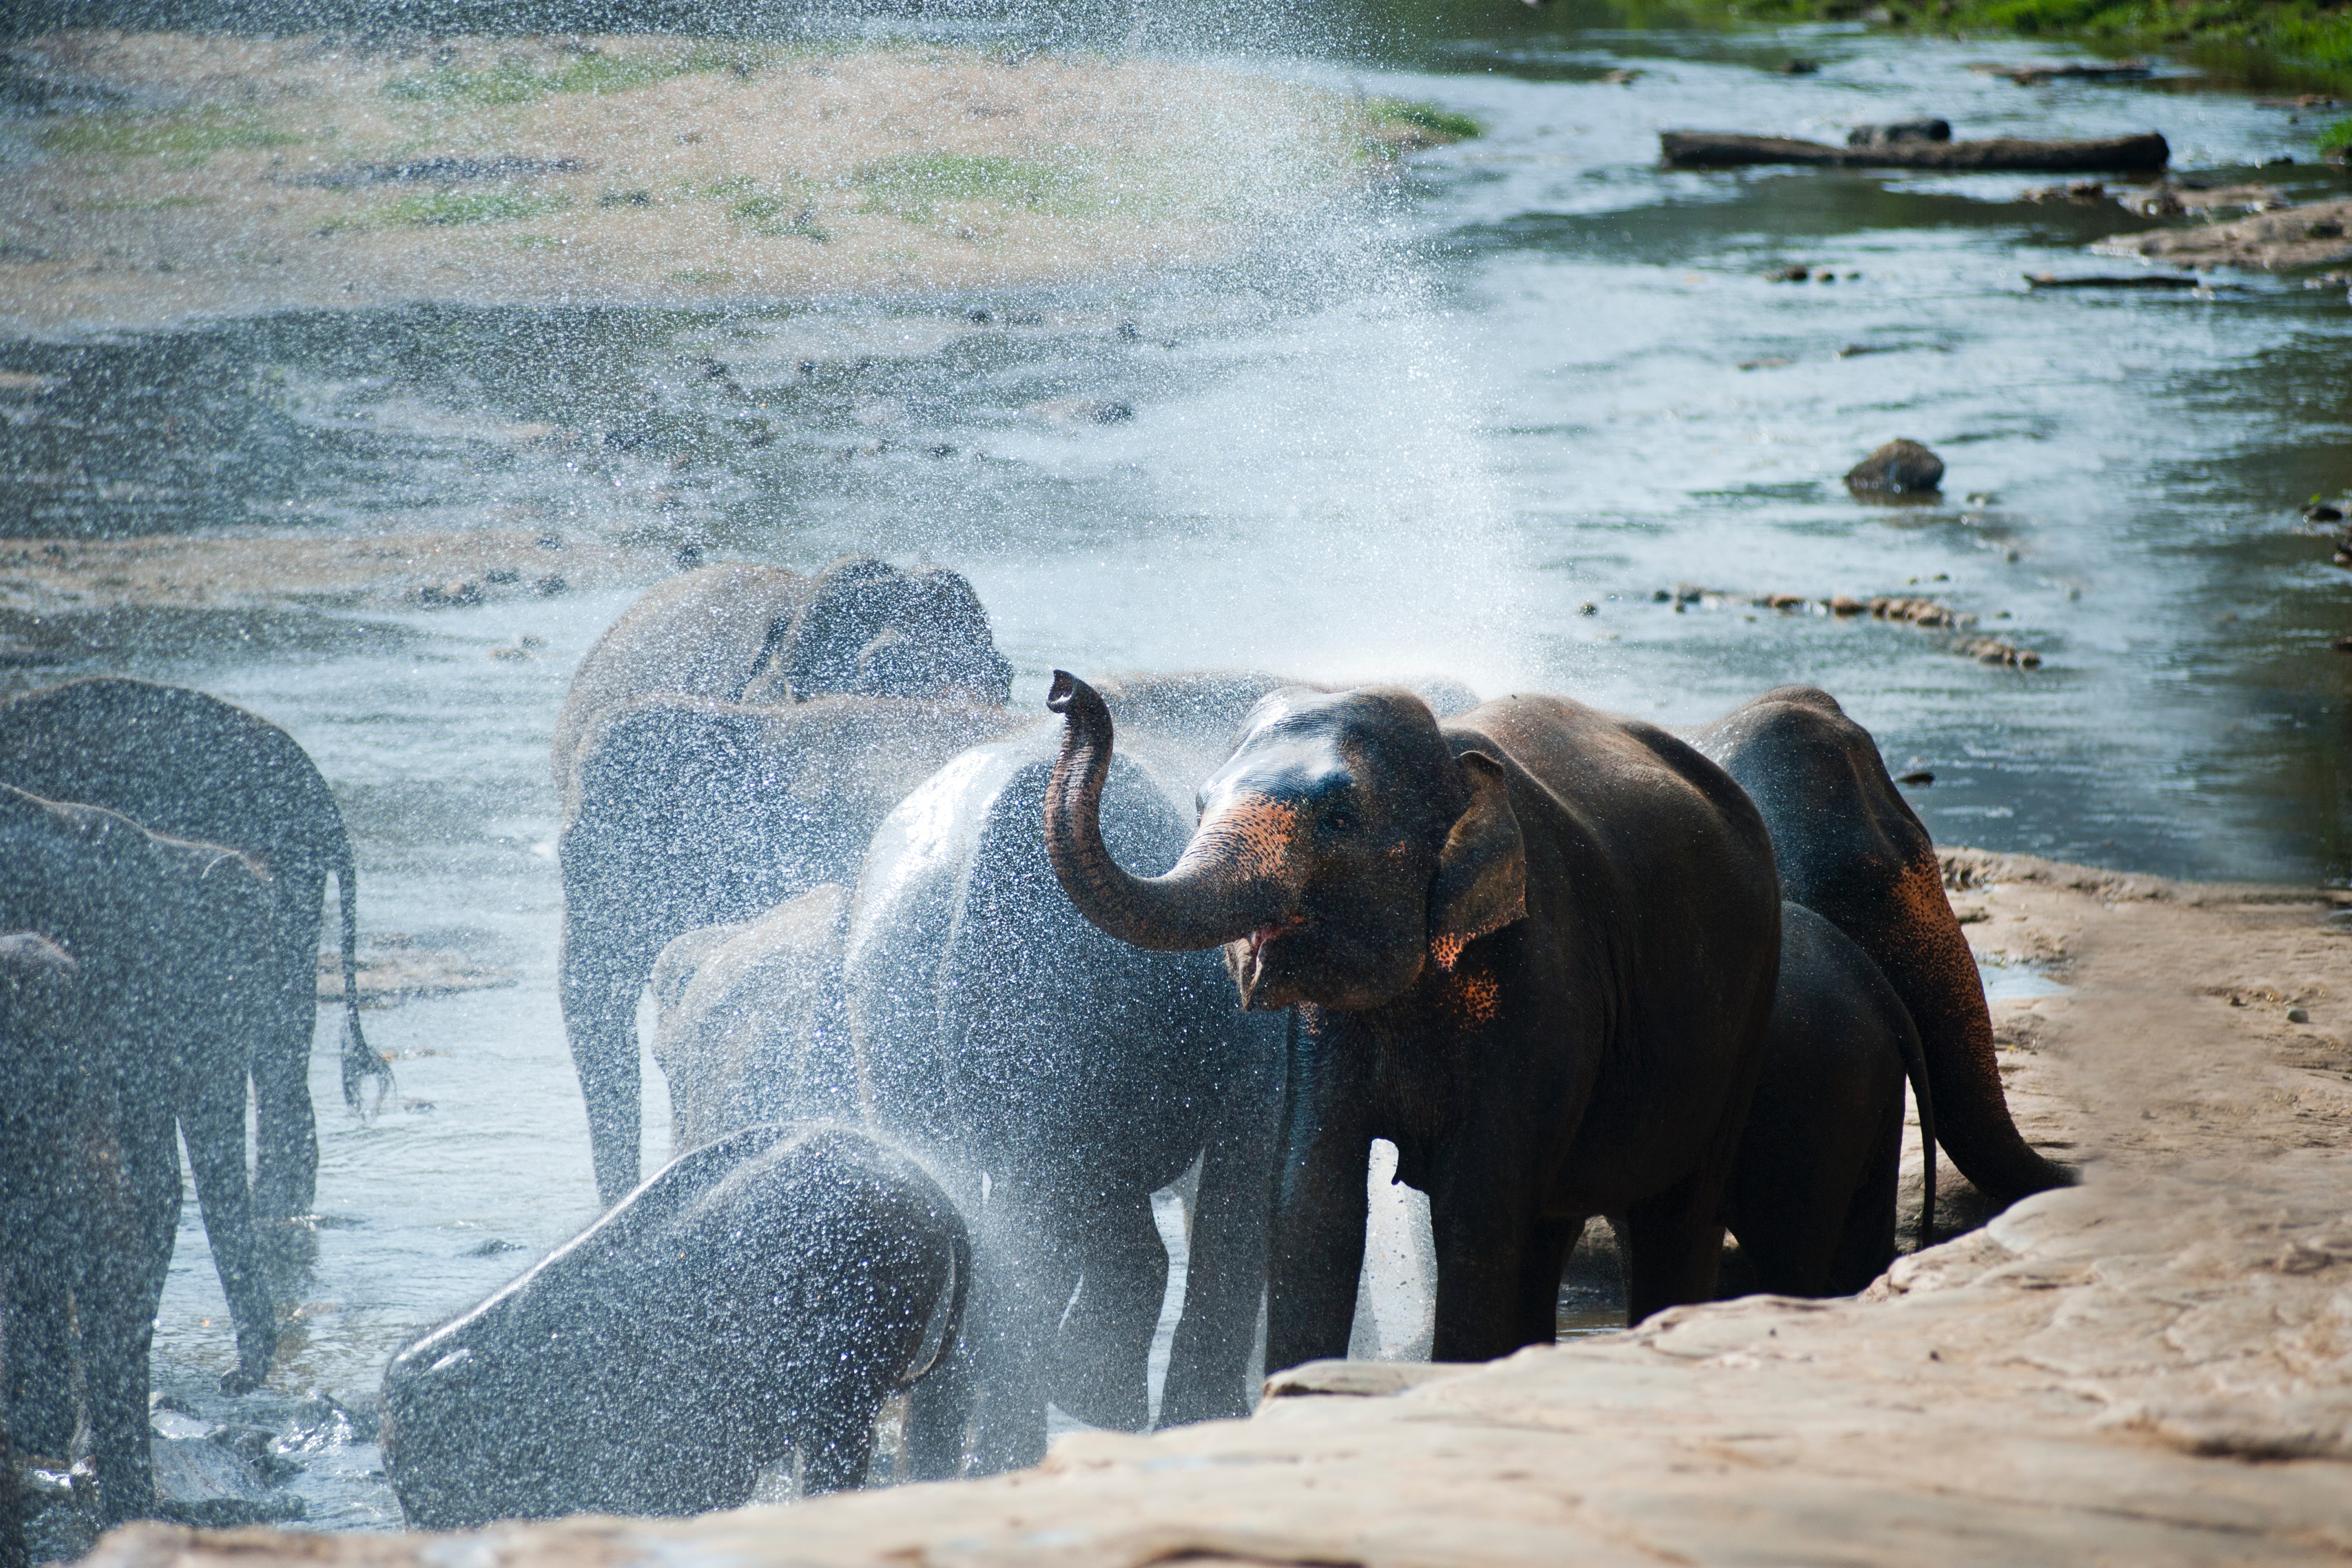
(1901, 467)
(1896, 131)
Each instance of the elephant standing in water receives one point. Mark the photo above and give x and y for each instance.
(1074, 1076)
(174, 951)
(731, 742)
(188, 765)
(759, 1294)
(1534, 946)
(1850, 849)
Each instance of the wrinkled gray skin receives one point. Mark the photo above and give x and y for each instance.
(1001, 1032)
(173, 949)
(749, 1021)
(1849, 847)
(731, 741)
(186, 764)
(760, 1294)
(1813, 1193)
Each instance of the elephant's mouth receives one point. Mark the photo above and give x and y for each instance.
(1251, 957)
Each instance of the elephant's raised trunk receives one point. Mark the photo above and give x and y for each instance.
(1228, 884)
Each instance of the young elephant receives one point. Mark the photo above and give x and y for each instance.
(1812, 1196)
(763, 1293)
(172, 946)
(749, 1021)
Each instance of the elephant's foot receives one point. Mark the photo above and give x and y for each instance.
(253, 1362)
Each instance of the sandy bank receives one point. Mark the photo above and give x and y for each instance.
(2155, 1366)
(204, 175)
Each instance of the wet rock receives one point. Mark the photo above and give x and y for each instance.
(2157, 281)
(1621, 77)
(1916, 780)
(459, 590)
(320, 1421)
(204, 1483)
(1992, 650)
(256, 1447)
(2323, 512)
(1790, 272)
(2170, 199)
(1895, 131)
(1798, 67)
(1734, 148)
(2035, 76)
(2317, 234)
(391, 971)
(2081, 193)
(1901, 467)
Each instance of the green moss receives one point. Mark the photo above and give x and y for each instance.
(146, 204)
(517, 81)
(157, 136)
(774, 217)
(914, 186)
(446, 208)
(1435, 123)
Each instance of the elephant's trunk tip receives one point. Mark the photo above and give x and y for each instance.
(1069, 693)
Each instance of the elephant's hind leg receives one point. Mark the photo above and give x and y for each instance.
(1105, 1343)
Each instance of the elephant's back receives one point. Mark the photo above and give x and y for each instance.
(177, 761)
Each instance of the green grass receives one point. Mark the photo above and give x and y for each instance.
(157, 136)
(774, 217)
(2336, 138)
(443, 209)
(1424, 117)
(915, 186)
(517, 82)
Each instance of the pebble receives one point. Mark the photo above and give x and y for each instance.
(2297, 1015)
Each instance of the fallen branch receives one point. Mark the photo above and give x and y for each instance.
(1727, 149)
(2034, 76)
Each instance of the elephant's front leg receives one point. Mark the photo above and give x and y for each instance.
(836, 1439)
(1316, 1252)
(1225, 1272)
(115, 1299)
(605, 966)
(212, 1117)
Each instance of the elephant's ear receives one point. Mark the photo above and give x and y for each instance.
(1482, 872)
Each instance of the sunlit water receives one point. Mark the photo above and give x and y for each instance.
(1416, 434)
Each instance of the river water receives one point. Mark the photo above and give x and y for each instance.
(1421, 431)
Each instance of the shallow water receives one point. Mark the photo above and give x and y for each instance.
(1417, 433)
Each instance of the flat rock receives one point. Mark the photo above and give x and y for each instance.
(1730, 149)
(2316, 234)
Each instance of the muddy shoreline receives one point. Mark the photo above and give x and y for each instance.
(188, 177)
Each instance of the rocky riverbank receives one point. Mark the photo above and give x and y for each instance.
(170, 175)
(2154, 1366)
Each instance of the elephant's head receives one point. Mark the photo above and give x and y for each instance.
(1343, 846)
(870, 629)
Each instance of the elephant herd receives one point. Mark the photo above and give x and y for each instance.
(945, 992)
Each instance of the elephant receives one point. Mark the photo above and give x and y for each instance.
(1812, 1192)
(759, 1294)
(188, 765)
(731, 741)
(1534, 946)
(173, 946)
(1849, 847)
(1074, 1075)
(750, 1023)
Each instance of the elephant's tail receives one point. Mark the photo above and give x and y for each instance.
(1927, 959)
(360, 1063)
(959, 1287)
(1915, 1068)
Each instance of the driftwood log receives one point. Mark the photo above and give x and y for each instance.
(1722, 149)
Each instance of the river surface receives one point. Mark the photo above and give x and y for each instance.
(1473, 421)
